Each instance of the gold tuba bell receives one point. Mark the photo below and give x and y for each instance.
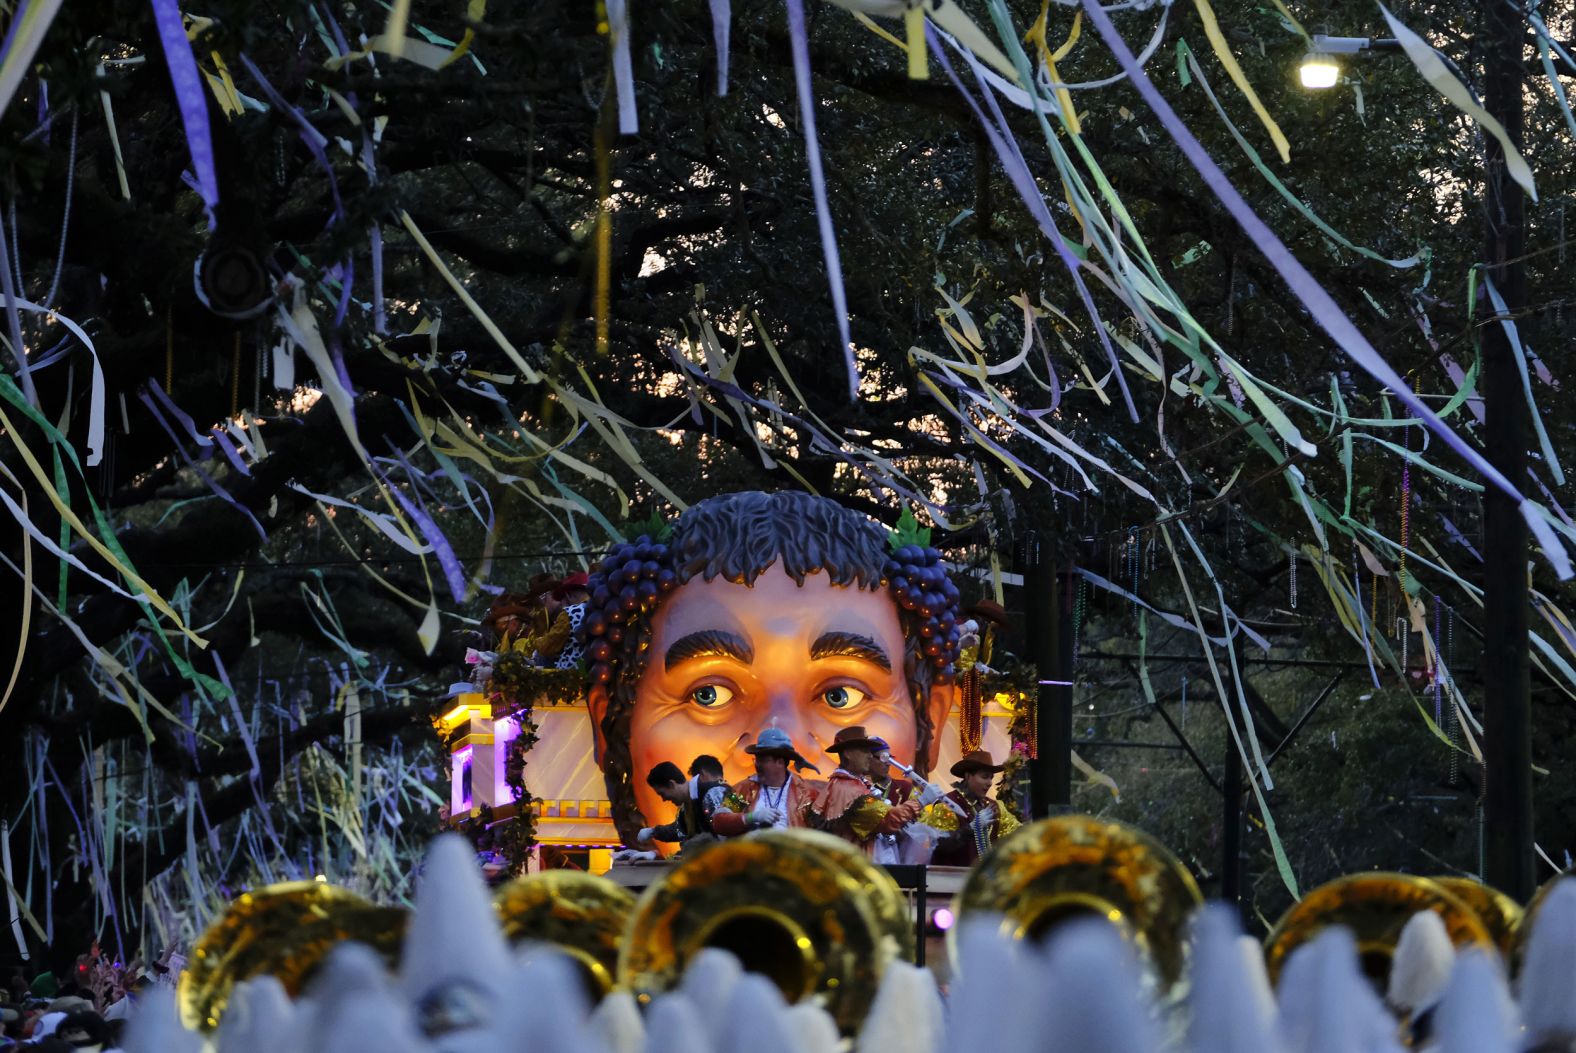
(802, 908)
(578, 913)
(1071, 866)
(1375, 907)
(1498, 912)
(287, 930)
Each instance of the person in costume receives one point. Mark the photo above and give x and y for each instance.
(697, 799)
(891, 790)
(561, 646)
(755, 610)
(971, 819)
(849, 806)
(773, 796)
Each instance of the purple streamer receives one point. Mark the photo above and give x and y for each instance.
(179, 414)
(43, 108)
(379, 319)
(799, 37)
(231, 454)
(13, 318)
(721, 25)
(1022, 179)
(189, 94)
(1324, 310)
(347, 279)
(313, 138)
(213, 484)
(623, 67)
(452, 572)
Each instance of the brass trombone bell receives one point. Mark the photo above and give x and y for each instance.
(1071, 866)
(804, 909)
(578, 913)
(1375, 906)
(1499, 913)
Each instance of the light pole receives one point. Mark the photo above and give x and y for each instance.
(1320, 69)
(1507, 703)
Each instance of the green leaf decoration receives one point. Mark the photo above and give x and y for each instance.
(908, 532)
(653, 526)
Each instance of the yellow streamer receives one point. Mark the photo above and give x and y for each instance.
(27, 606)
(918, 54)
(1217, 40)
(131, 576)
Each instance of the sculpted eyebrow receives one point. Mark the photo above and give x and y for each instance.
(709, 643)
(849, 645)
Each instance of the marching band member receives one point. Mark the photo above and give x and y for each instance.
(971, 818)
(773, 796)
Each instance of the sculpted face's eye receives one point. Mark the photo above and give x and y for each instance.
(842, 697)
(711, 696)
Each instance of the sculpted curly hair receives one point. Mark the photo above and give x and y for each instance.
(738, 537)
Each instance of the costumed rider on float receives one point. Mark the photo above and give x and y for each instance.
(971, 819)
(697, 798)
(849, 806)
(773, 796)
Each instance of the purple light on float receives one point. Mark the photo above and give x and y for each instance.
(942, 919)
(462, 795)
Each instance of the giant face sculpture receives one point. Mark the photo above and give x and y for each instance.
(759, 610)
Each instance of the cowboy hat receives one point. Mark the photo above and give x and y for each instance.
(978, 760)
(778, 743)
(990, 611)
(852, 737)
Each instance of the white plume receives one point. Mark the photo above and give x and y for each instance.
(755, 1019)
(1326, 1006)
(1089, 993)
(1547, 983)
(988, 1002)
(155, 1027)
(673, 1025)
(259, 1018)
(1423, 959)
(1232, 1009)
(454, 936)
(813, 1028)
(1476, 1013)
(906, 1014)
(616, 1020)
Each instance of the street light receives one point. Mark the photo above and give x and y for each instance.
(1318, 71)
(1319, 68)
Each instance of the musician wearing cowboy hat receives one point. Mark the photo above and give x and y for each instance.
(773, 796)
(849, 807)
(971, 818)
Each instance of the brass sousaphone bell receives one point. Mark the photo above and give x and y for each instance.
(1071, 866)
(287, 930)
(802, 908)
(1375, 907)
(1499, 913)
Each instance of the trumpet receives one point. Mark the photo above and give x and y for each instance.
(920, 782)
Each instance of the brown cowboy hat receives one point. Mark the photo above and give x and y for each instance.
(990, 611)
(978, 760)
(852, 737)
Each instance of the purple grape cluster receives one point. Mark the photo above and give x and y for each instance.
(920, 585)
(625, 588)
